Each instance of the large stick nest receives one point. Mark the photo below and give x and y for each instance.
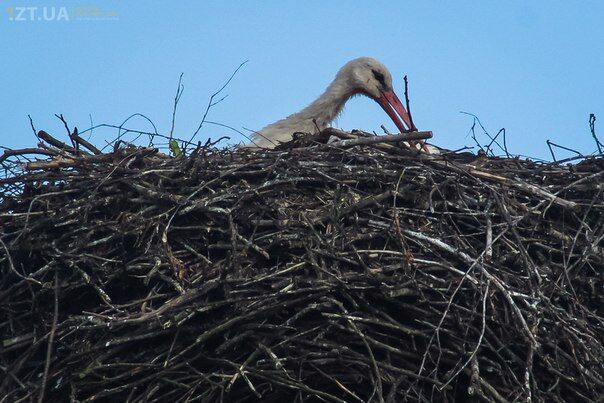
(321, 273)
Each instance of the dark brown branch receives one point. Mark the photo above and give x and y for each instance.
(24, 151)
(56, 143)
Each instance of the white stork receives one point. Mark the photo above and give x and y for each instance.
(365, 76)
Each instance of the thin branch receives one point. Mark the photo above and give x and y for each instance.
(51, 337)
(31, 124)
(407, 103)
(179, 92)
(484, 130)
(551, 143)
(592, 129)
(211, 101)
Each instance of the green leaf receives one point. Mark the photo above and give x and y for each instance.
(175, 149)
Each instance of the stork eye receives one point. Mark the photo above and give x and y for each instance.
(378, 76)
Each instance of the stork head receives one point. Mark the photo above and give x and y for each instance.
(368, 76)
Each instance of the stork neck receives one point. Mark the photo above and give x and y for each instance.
(329, 105)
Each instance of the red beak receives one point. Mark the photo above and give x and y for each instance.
(395, 109)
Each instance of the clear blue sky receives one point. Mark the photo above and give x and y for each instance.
(533, 67)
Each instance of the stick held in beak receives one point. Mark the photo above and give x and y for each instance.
(395, 109)
(397, 112)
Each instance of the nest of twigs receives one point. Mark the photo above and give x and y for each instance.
(315, 272)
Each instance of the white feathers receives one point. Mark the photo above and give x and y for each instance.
(356, 76)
